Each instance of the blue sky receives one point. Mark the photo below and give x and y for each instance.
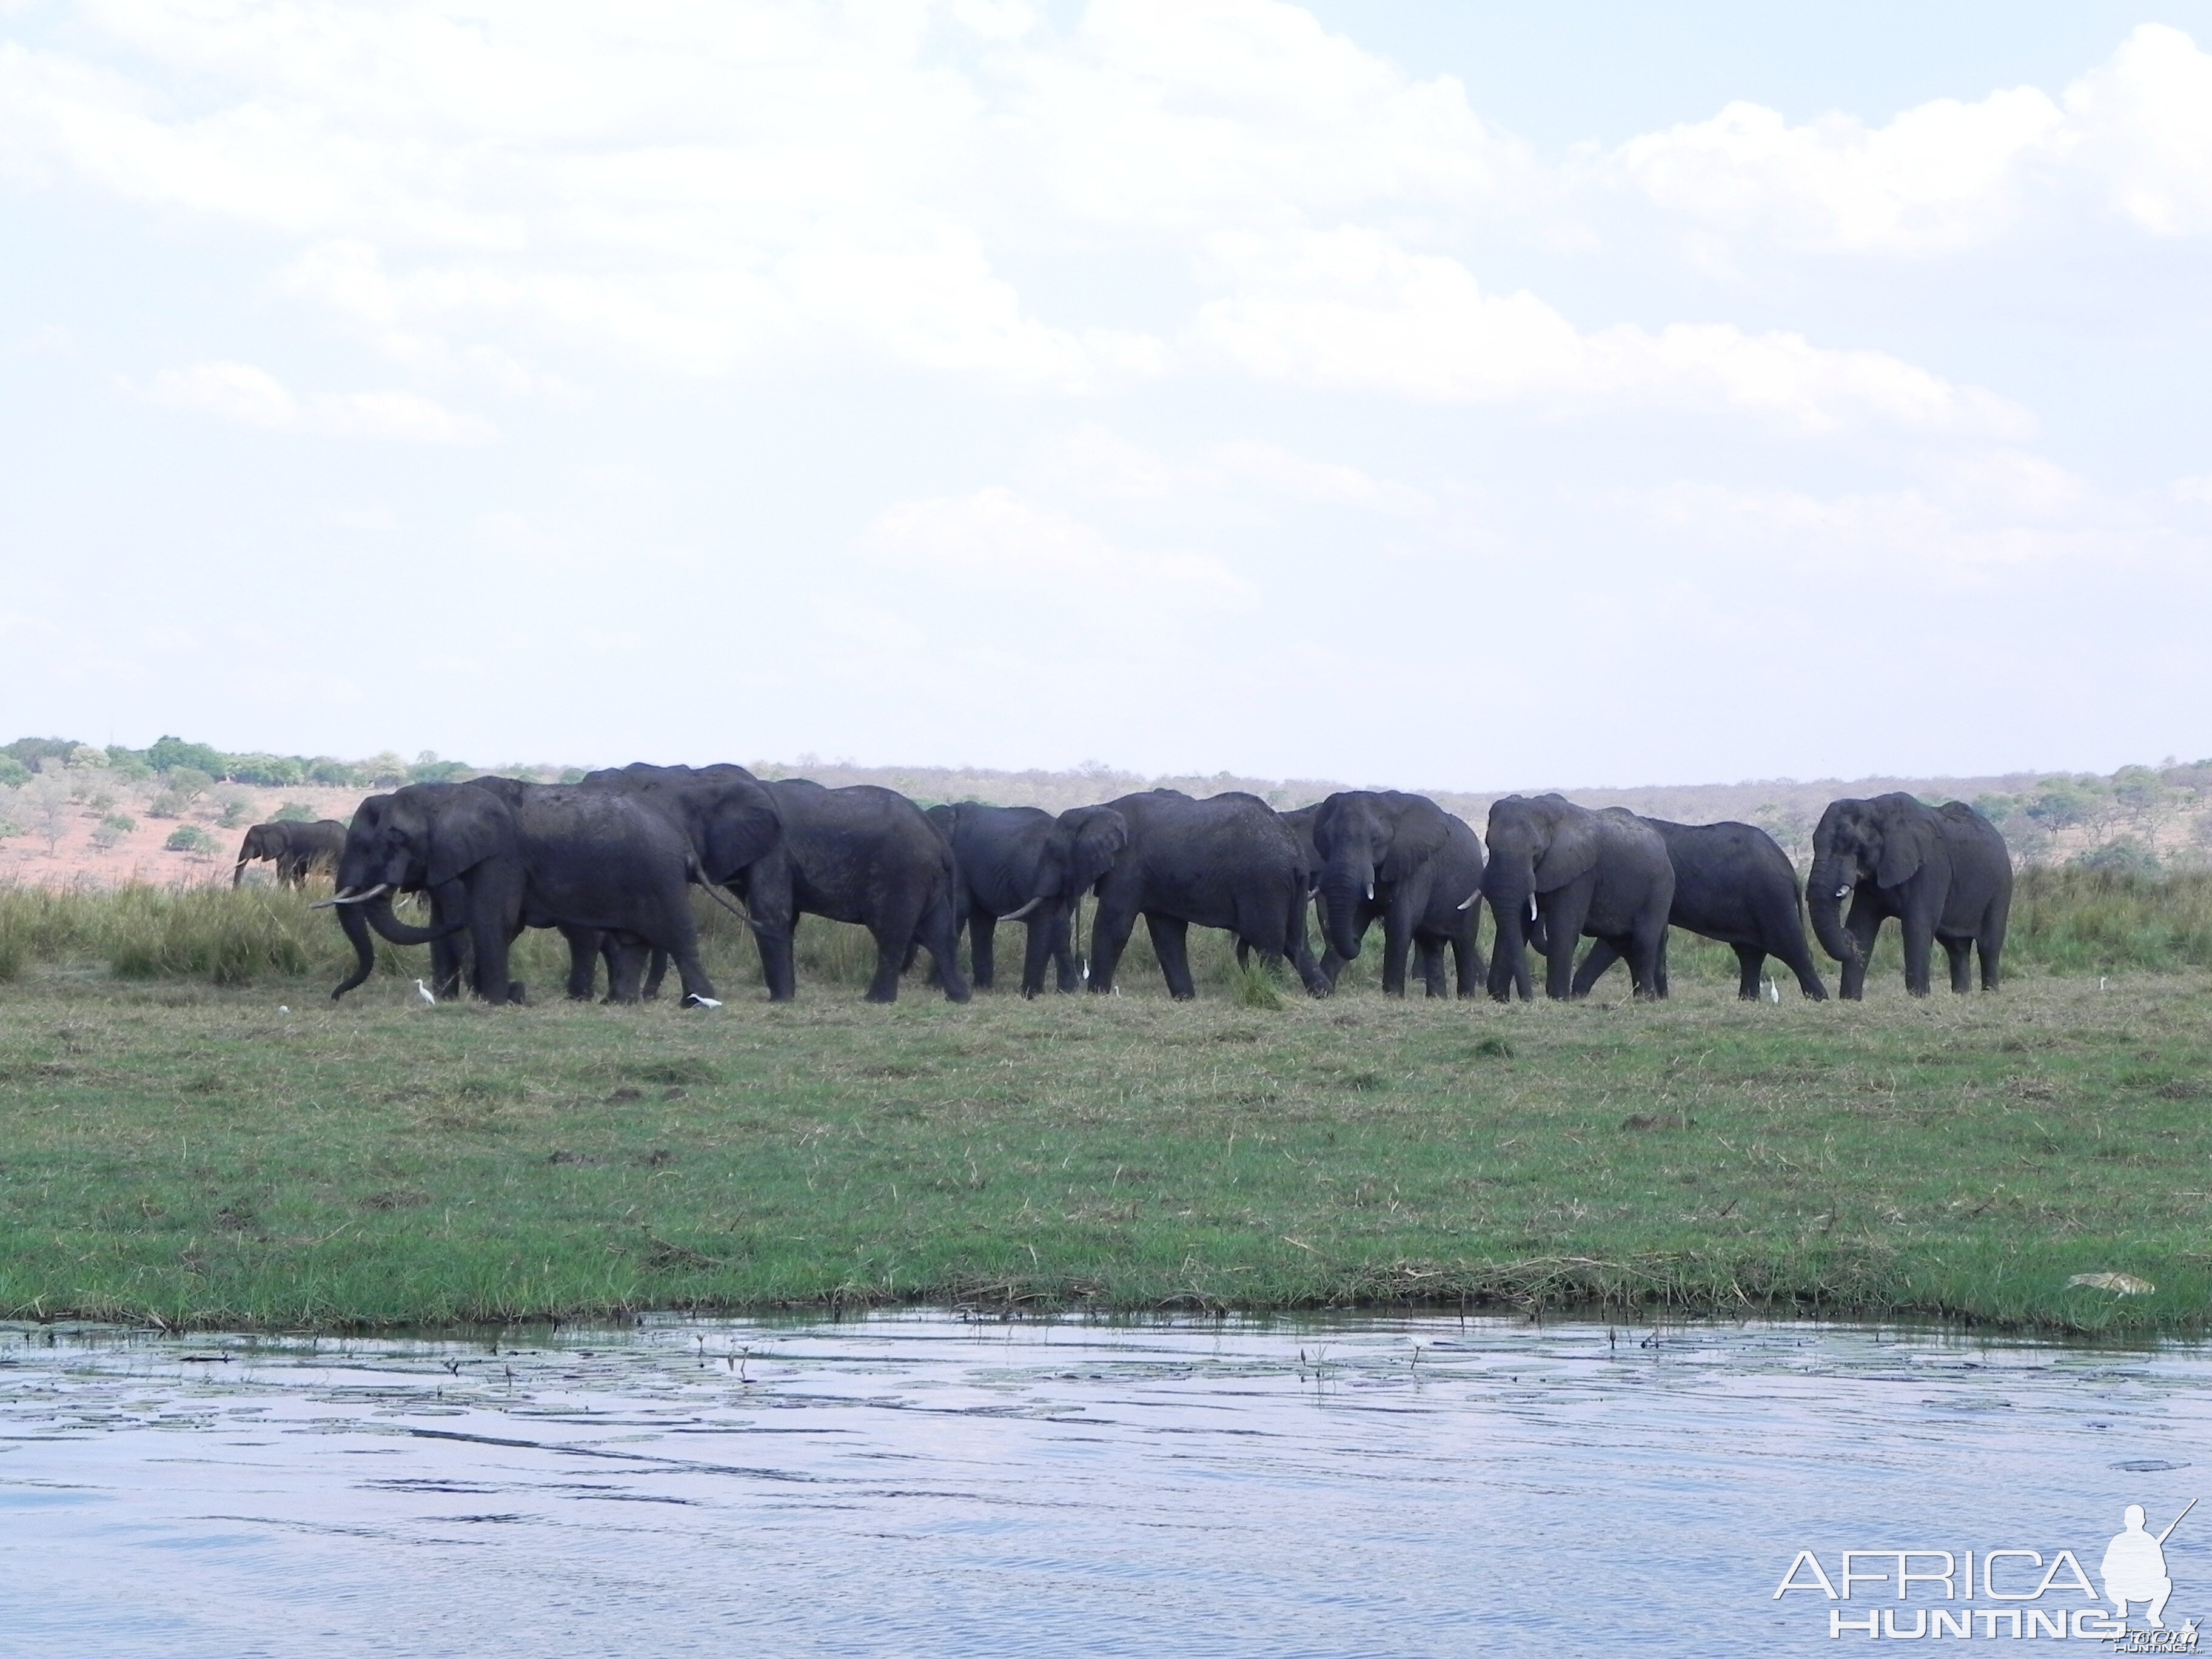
(1455, 396)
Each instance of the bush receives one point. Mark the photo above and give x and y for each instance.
(324, 770)
(30, 751)
(100, 800)
(189, 838)
(2126, 855)
(10, 829)
(270, 771)
(293, 811)
(169, 754)
(237, 809)
(113, 829)
(189, 782)
(167, 804)
(13, 772)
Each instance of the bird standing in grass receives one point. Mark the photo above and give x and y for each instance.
(423, 992)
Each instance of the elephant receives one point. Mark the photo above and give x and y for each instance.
(1023, 864)
(1569, 871)
(605, 862)
(459, 844)
(1227, 862)
(498, 856)
(1732, 883)
(1404, 859)
(726, 814)
(298, 850)
(863, 854)
(1945, 872)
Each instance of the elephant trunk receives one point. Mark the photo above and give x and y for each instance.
(364, 949)
(382, 919)
(1342, 887)
(237, 870)
(1832, 877)
(1510, 891)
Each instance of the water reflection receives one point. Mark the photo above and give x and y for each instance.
(917, 1484)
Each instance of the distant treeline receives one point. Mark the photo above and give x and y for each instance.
(2139, 819)
(20, 758)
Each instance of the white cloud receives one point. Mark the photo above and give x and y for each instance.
(1350, 309)
(1094, 463)
(1936, 178)
(997, 539)
(2196, 487)
(1948, 175)
(2146, 122)
(254, 397)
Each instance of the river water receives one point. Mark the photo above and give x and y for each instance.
(922, 1484)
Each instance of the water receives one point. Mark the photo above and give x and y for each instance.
(917, 1484)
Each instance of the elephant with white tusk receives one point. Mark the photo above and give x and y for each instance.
(1557, 872)
(1022, 864)
(1944, 872)
(1403, 861)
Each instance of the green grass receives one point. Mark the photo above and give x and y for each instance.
(177, 1149)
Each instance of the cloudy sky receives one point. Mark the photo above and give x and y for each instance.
(1462, 396)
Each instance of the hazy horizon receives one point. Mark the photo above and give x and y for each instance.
(1378, 392)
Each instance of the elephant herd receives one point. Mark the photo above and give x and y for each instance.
(609, 861)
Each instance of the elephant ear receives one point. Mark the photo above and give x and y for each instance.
(741, 829)
(1322, 830)
(467, 828)
(944, 818)
(1571, 851)
(1100, 833)
(1907, 842)
(1418, 836)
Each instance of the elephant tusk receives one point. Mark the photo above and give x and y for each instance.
(1016, 915)
(1467, 903)
(1532, 907)
(1371, 892)
(351, 897)
(1843, 892)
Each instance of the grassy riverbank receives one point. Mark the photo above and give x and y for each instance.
(187, 1153)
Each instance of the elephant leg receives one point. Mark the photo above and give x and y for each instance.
(1467, 957)
(1597, 961)
(1646, 950)
(939, 932)
(1864, 924)
(1043, 935)
(1171, 944)
(774, 940)
(1429, 963)
(1961, 953)
(1990, 944)
(490, 941)
(1751, 970)
(982, 951)
(1111, 924)
(1801, 963)
(586, 946)
(1563, 923)
(1063, 953)
(1919, 951)
(1397, 941)
(893, 929)
(625, 968)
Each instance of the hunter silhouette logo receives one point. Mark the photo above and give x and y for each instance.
(2016, 1594)
(2134, 1566)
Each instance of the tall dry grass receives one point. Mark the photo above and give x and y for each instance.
(2063, 921)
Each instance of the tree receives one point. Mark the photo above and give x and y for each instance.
(189, 838)
(167, 754)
